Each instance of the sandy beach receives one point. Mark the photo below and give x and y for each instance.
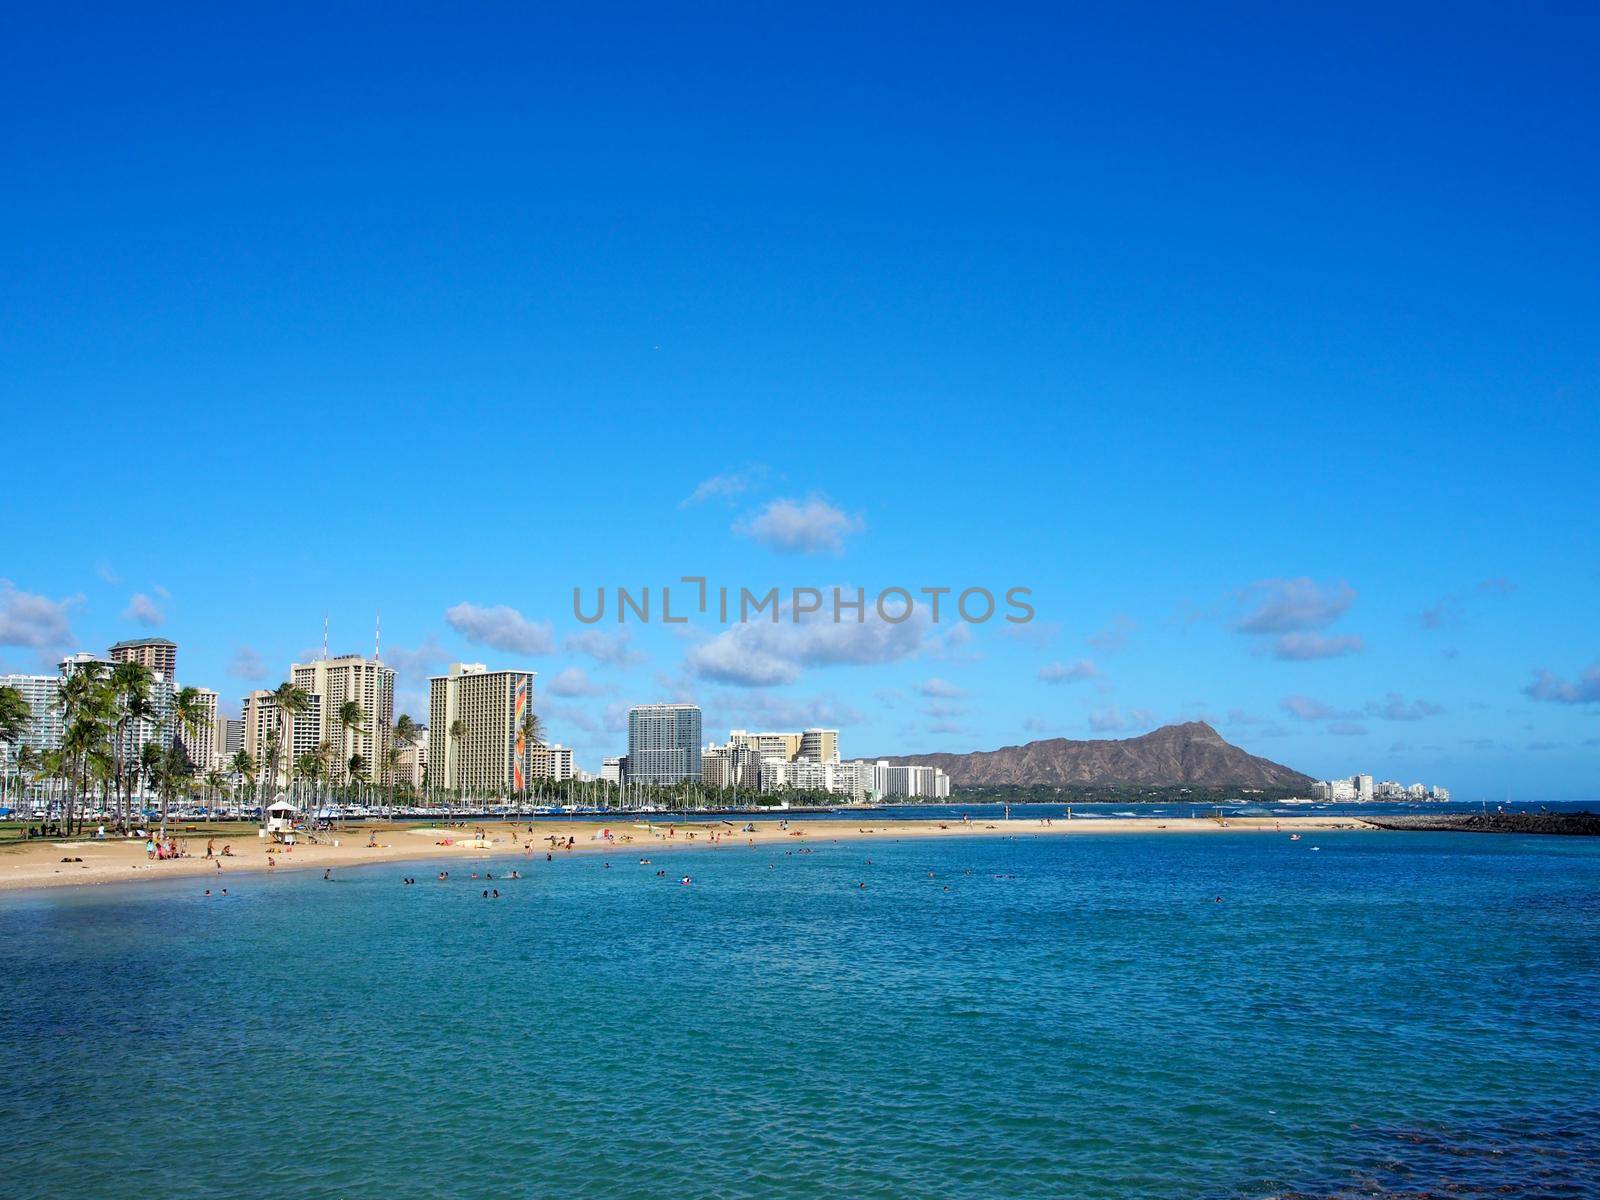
(39, 863)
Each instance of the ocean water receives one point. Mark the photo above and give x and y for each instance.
(1402, 1014)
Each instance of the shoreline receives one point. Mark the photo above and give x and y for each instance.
(35, 865)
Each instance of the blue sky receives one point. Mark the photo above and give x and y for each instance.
(1260, 345)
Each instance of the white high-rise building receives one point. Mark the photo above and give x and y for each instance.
(332, 682)
(611, 770)
(411, 765)
(478, 732)
(201, 742)
(553, 762)
(40, 692)
(664, 743)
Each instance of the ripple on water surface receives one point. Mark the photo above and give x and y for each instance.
(1087, 1017)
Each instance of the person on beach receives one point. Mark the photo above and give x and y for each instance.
(211, 847)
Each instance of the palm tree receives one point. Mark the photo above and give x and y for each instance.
(85, 713)
(391, 767)
(289, 701)
(130, 697)
(189, 714)
(214, 784)
(458, 735)
(173, 770)
(406, 731)
(244, 766)
(351, 719)
(16, 717)
(30, 763)
(150, 765)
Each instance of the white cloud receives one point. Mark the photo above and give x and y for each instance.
(1347, 729)
(1551, 687)
(801, 526)
(942, 688)
(246, 664)
(1114, 636)
(1058, 672)
(1305, 647)
(27, 619)
(1394, 708)
(500, 627)
(570, 714)
(726, 486)
(769, 710)
(419, 663)
(1112, 719)
(143, 610)
(573, 682)
(610, 648)
(107, 572)
(763, 653)
(1292, 605)
(1304, 708)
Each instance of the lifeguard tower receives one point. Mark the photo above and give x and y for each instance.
(281, 815)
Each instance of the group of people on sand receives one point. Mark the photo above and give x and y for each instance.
(160, 849)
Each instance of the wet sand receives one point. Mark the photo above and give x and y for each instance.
(36, 864)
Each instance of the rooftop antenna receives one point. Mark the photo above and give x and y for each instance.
(324, 634)
(377, 638)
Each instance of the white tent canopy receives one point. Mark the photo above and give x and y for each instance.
(281, 805)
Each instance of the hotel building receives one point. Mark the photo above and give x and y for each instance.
(158, 654)
(332, 682)
(491, 753)
(664, 743)
(44, 731)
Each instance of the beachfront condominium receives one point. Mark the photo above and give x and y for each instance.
(411, 761)
(200, 743)
(912, 780)
(227, 739)
(480, 739)
(298, 734)
(40, 693)
(158, 654)
(333, 683)
(818, 745)
(664, 743)
(552, 762)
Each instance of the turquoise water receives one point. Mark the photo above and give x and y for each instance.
(1074, 1017)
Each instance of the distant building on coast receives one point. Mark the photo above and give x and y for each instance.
(808, 761)
(200, 743)
(411, 762)
(333, 682)
(40, 693)
(489, 753)
(664, 743)
(158, 654)
(552, 762)
(1359, 789)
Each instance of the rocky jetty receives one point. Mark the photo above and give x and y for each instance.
(1578, 824)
